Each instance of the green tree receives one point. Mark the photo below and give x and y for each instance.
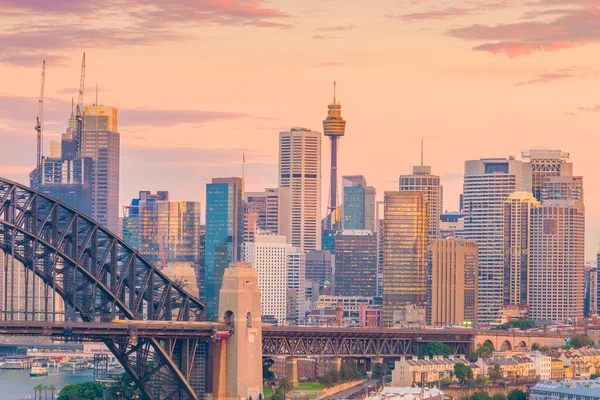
(581, 341)
(481, 395)
(36, 389)
(124, 388)
(499, 396)
(380, 370)
(517, 394)
(52, 389)
(268, 375)
(522, 325)
(436, 349)
(326, 380)
(495, 373)
(335, 375)
(484, 350)
(464, 373)
(82, 391)
(285, 386)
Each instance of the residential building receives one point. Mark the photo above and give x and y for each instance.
(407, 393)
(543, 365)
(409, 372)
(162, 230)
(517, 217)
(567, 389)
(269, 254)
(453, 292)
(101, 142)
(557, 255)
(557, 371)
(320, 267)
(513, 366)
(423, 181)
(488, 183)
(300, 171)
(540, 164)
(404, 257)
(224, 234)
(359, 203)
(356, 263)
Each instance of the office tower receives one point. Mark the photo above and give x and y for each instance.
(590, 306)
(356, 263)
(452, 225)
(262, 213)
(200, 271)
(334, 127)
(453, 289)
(269, 255)
(359, 203)
(487, 185)
(101, 143)
(517, 217)
(300, 174)
(423, 181)
(380, 253)
(296, 285)
(543, 164)
(320, 266)
(557, 255)
(224, 234)
(404, 258)
(162, 230)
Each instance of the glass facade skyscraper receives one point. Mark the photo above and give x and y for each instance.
(356, 263)
(359, 203)
(224, 235)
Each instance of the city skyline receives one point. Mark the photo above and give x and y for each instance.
(492, 104)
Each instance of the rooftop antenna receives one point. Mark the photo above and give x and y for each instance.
(334, 91)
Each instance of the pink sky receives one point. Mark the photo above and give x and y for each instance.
(199, 82)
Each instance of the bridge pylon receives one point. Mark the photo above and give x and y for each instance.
(238, 374)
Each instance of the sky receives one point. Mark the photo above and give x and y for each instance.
(198, 83)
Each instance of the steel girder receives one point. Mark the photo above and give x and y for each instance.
(99, 277)
(337, 346)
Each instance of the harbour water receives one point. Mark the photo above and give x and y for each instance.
(17, 384)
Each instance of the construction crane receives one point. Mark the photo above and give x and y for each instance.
(39, 126)
(79, 111)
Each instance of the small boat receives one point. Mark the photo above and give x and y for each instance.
(37, 370)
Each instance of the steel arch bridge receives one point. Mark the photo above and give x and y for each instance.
(64, 255)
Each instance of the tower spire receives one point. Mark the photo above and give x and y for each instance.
(334, 91)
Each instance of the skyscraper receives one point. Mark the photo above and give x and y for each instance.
(543, 164)
(101, 143)
(404, 258)
(300, 173)
(356, 263)
(262, 213)
(359, 203)
(517, 216)
(334, 127)
(297, 285)
(320, 265)
(557, 254)
(423, 181)
(224, 234)
(269, 255)
(487, 185)
(453, 282)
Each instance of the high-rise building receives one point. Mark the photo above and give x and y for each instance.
(262, 213)
(224, 234)
(163, 231)
(300, 173)
(296, 285)
(320, 267)
(598, 282)
(543, 164)
(423, 181)
(590, 306)
(453, 289)
(359, 203)
(517, 217)
(487, 185)
(404, 257)
(557, 253)
(452, 225)
(356, 263)
(334, 127)
(101, 143)
(269, 254)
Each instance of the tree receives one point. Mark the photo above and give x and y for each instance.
(268, 375)
(484, 350)
(522, 325)
(52, 389)
(125, 387)
(495, 373)
(581, 341)
(326, 380)
(436, 349)
(335, 375)
(499, 396)
(517, 394)
(481, 395)
(285, 386)
(36, 389)
(380, 370)
(463, 373)
(82, 391)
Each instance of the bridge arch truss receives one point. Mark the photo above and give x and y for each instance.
(99, 278)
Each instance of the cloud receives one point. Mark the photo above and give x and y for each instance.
(595, 108)
(544, 78)
(447, 13)
(41, 29)
(338, 28)
(164, 118)
(325, 37)
(576, 27)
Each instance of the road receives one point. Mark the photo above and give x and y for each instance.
(356, 392)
